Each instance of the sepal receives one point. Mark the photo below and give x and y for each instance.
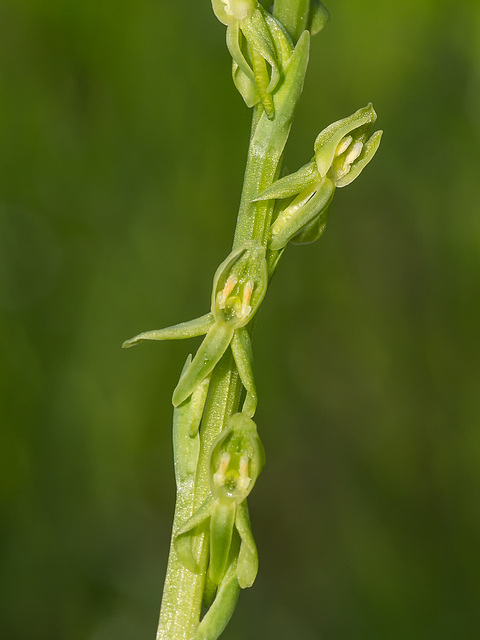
(189, 329)
(209, 353)
(247, 563)
(318, 18)
(292, 184)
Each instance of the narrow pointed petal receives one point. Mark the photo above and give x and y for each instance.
(243, 356)
(209, 353)
(292, 184)
(221, 531)
(287, 226)
(190, 329)
(246, 87)
(247, 563)
(234, 36)
(217, 617)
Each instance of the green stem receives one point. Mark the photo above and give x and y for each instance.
(183, 591)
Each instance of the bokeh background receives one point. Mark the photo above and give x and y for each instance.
(122, 147)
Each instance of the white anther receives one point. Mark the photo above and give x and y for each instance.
(244, 480)
(227, 290)
(247, 294)
(354, 152)
(219, 476)
(228, 8)
(343, 145)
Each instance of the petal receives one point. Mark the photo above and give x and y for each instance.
(209, 353)
(217, 617)
(292, 184)
(243, 356)
(221, 531)
(190, 329)
(247, 563)
(328, 140)
(234, 36)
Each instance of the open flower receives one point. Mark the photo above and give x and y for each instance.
(236, 459)
(239, 286)
(342, 151)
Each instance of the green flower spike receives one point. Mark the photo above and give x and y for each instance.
(342, 150)
(254, 40)
(239, 287)
(236, 460)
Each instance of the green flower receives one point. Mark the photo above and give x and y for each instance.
(239, 286)
(236, 460)
(342, 151)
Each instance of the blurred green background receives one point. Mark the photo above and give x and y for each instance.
(122, 148)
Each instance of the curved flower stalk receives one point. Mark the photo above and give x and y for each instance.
(237, 458)
(342, 151)
(239, 286)
(257, 43)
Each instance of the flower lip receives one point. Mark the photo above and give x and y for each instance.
(330, 141)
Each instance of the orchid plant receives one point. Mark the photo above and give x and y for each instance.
(218, 454)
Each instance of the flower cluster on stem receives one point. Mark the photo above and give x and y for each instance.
(217, 450)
